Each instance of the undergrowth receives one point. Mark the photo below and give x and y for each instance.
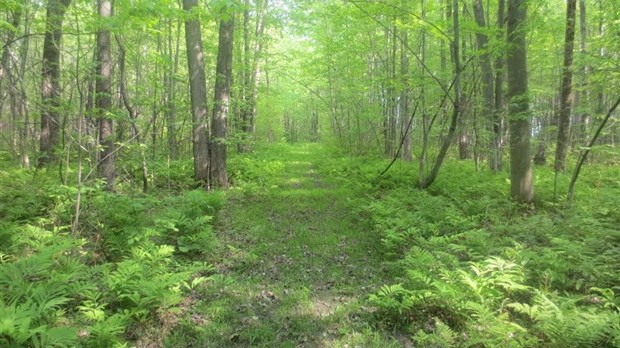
(472, 269)
(465, 267)
(130, 267)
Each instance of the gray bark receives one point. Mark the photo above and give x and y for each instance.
(405, 119)
(521, 187)
(487, 85)
(219, 176)
(50, 76)
(103, 98)
(566, 91)
(198, 95)
(498, 113)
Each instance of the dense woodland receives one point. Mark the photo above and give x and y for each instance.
(309, 173)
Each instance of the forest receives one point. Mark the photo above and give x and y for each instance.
(309, 173)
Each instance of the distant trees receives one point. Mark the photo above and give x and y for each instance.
(402, 79)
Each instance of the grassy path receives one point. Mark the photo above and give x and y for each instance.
(294, 269)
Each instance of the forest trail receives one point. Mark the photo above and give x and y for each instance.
(295, 266)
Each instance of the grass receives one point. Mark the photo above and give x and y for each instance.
(295, 267)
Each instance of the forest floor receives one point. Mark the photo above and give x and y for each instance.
(295, 267)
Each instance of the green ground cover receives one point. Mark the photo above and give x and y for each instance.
(311, 249)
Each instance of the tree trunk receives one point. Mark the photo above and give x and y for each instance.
(405, 119)
(487, 84)
(566, 98)
(170, 91)
(582, 97)
(6, 73)
(521, 187)
(50, 76)
(456, 111)
(498, 113)
(425, 122)
(198, 94)
(103, 97)
(219, 177)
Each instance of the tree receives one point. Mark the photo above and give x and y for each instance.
(50, 80)
(487, 86)
(499, 93)
(219, 177)
(456, 101)
(252, 71)
(103, 96)
(198, 93)
(405, 119)
(521, 187)
(566, 91)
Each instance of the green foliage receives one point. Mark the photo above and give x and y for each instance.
(258, 171)
(119, 274)
(470, 268)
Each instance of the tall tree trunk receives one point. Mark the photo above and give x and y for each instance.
(219, 177)
(487, 84)
(6, 55)
(103, 97)
(50, 86)
(6, 73)
(425, 121)
(498, 112)
(198, 94)
(566, 98)
(582, 97)
(405, 119)
(170, 90)
(521, 187)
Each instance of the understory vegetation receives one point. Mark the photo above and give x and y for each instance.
(471, 268)
(310, 248)
(123, 276)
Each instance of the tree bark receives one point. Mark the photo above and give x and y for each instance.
(498, 112)
(170, 90)
(103, 97)
(198, 94)
(566, 98)
(582, 97)
(487, 84)
(219, 176)
(521, 187)
(405, 119)
(50, 76)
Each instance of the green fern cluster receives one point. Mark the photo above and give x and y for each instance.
(99, 289)
(473, 269)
